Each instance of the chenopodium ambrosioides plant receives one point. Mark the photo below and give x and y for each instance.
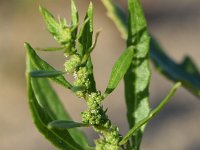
(49, 115)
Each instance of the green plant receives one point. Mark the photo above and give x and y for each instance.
(186, 71)
(48, 113)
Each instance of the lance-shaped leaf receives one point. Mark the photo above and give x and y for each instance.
(62, 140)
(186, 72)
(87, 54)
(50, 49)
(75, 18)
(117, 16)
(167, 66)
(45, 74)
(151, 115)
(64, 124)
(40, 64)
(48, 99)
(137, 77)
(86, 32)
(91, 75)
(46, 107)
(74, 14)
(52, 24)
(119, 69)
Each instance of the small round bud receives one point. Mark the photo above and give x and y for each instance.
(80, 94)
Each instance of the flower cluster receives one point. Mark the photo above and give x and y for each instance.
(110, 139)
(65, 36)
(72, 63)
(75, 64)
(94, 115)
(82, 82)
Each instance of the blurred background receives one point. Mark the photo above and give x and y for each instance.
(175, 23)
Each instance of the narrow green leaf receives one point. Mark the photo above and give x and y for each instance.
(75, 18)
(117, 16)
(49, 105)
(86, 32)
(186, 72)
(49, 100)
(40, 64)
(119, 69)
(64, 124)
(171, 69)
(51, 49)
(151, 115)
(87, 54)
(95, 41)
(189, 66)
(91, 75)
(45, 108)
(45, 74)
(137, 77)
(52, 24)
(62, 140)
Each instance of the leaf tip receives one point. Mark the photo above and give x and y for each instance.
(27, 45)
(91, 5)
(73, 5)
(41, 9)
(45, 13)
(177, 85)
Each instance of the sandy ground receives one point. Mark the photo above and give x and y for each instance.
(175, 24)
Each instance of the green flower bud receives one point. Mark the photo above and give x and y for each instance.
(82, 73)
(82, 82)
(113, 136)
(87, 84)
(94, 117)
(101, 144)
(64, 37)
(80, 94)
(94, 100)
(72, 64)
(107, 125)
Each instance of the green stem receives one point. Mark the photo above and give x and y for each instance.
(151, 114)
